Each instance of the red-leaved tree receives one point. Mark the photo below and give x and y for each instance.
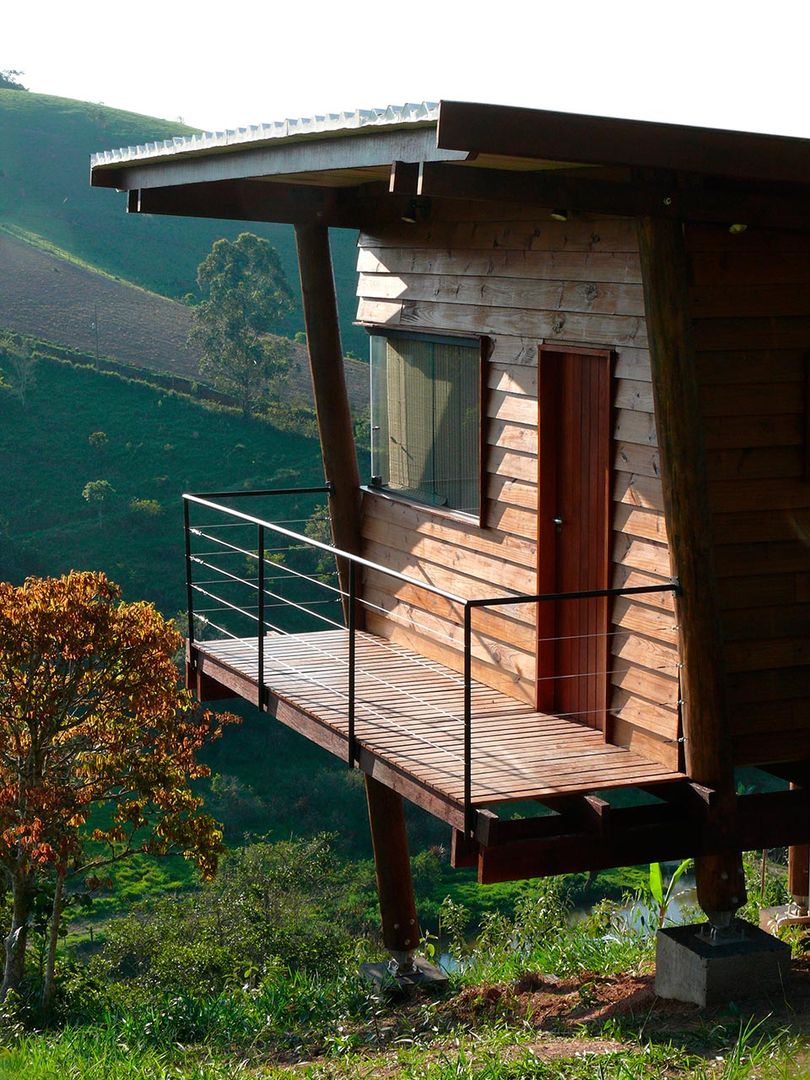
(91, 713)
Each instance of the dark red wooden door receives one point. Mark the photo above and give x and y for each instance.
(574, 388)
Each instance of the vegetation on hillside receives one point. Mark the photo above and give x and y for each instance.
(257, 976)
(157, 446)
(45, 146)
(246, 296)
(91, 717)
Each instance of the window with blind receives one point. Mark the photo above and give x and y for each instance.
(425, 418)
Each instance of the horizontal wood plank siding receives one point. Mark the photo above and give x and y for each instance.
(751, 314)
(524, 282)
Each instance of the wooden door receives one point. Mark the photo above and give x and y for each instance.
(573, 651)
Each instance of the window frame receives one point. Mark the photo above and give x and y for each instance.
(483, 344)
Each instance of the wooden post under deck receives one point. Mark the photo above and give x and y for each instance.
(385, 807)
(799, 874)
(678, 419)
(389, 838)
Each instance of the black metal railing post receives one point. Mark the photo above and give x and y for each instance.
(469, 823)
(189, 582)
(260, 583)
(352, 657)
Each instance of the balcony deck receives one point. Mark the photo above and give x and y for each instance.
(409, 724)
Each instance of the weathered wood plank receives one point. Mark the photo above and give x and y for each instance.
(635, 427)
(772, 300)
(428, 521)
(513, 491)
(473, 563)
(746, 430)
(607, 235)
(495, 291)
(599, 266)
(474, 319)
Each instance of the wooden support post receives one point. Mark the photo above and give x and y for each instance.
(799, 871)
(799, 874)
(329, 386)
(678, 420)
(389, 838)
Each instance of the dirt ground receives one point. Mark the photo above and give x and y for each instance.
(589, 999)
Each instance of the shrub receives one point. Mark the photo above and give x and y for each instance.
(273, 905)
(145, 508)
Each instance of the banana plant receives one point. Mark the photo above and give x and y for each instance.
(662, 894)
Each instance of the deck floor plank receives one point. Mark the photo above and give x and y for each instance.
(410, 713)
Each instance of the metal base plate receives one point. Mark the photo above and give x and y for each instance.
(422, 976)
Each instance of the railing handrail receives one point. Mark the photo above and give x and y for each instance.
(338, 552)
(467, 604)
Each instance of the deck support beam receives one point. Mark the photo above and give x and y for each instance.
(389, 837)
(709, 760)
(799, 871)
(329, 387)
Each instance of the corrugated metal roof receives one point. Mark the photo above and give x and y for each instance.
(394, 116)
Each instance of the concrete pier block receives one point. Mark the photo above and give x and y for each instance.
(391, 979)
(746, 962)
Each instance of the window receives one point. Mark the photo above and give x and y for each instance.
(425, 418)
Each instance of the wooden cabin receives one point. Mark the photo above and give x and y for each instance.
(580, 562)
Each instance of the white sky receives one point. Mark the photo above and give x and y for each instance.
(722, 64)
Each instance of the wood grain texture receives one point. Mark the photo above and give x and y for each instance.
(521, 282)
(409, 718)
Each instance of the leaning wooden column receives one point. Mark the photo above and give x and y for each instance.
(329, 384)
(678, 419)
(385, 810)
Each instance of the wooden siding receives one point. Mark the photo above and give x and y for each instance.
(524, 281)
(751, 309)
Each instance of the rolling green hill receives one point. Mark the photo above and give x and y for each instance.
(45, 195)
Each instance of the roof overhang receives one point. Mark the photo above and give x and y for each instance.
(360, 169)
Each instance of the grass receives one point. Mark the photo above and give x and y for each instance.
(158, 445)
(45, 145)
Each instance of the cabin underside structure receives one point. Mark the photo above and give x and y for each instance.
(580, 562)
(410, 738)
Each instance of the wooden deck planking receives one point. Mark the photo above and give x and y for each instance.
(409, 714)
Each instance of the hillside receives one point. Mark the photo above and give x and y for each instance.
(44, 296)
(45, 145)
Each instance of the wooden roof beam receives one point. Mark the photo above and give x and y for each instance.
(255, 200)
(570, 193)
(601, 140)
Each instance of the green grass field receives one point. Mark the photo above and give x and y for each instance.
(158, 445)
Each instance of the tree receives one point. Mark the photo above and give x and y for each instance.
(247, 295)
(9, 81)
(21, 373)
(91, 715)
(98, 492)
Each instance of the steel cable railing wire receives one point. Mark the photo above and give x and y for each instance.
(432, 631)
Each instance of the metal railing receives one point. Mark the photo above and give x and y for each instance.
(347, 597)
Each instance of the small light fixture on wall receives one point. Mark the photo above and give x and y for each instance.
(560, 215)
(735, 230)
(416, 211)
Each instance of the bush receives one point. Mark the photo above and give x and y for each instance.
(274, 906)
(145, 508)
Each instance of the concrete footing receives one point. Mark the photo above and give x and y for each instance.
(391, 978)
(742, 962)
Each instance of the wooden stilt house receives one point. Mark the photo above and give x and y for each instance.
(580, 562)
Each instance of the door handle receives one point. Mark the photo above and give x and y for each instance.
(558, 523)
